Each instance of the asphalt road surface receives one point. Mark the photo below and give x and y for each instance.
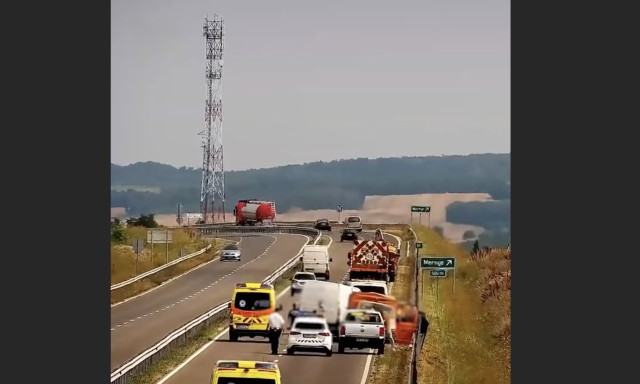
(139, 323)
(309, 368)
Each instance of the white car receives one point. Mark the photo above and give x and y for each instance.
(298, 280)
(230, 252)
(310, 334)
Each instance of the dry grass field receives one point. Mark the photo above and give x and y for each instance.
(469, 334)
(123, 260)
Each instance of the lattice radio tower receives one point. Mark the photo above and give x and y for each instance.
(212, 157)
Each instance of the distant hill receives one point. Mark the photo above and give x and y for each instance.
(151, 187)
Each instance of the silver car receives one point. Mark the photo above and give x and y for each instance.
(298, 280)
(230, 252)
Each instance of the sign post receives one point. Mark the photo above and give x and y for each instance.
(420, 209)
(339, 209)
(138, 246)
(179, 219)
(167, 242)
(418, 248)
(438, 267)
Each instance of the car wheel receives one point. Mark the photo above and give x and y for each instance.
(292, 292)
(233, 336)
(329, 353)
(289, 351)
(381, 349)
(340, 348)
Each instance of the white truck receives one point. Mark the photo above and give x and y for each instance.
(362, 328)
(315, 259)
(328, 299)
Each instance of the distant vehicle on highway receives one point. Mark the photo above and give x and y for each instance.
(254, 212)
(230, 252)
(348, 234)
(298, 280)
(323, 225)
(310, 334)
(353, 222)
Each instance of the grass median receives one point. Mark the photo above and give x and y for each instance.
(123, 260)
(176, 356)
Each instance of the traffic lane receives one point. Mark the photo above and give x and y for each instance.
(308, 368)
(187, 284)
(313, 368)
(138, 334)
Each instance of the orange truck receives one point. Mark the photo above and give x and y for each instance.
(393, 256)
(407, 321)
(368, 260)
(401, 318)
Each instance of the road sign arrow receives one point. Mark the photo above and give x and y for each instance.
(449, 262)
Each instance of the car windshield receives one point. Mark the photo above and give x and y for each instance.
(371, 288)
(243, 380)
(252, 301)
(353, 219)
(304, 276)
(231, 247)
(363, 317)
(310, 326)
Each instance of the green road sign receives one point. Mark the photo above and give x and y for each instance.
(437, 262)
(418, 245)
(420, 208)
(438, 273)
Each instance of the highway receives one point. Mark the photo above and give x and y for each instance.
(345, 368)
(140, 322)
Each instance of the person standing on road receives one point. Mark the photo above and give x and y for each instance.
(275, 325)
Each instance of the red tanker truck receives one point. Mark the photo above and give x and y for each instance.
(253, 211)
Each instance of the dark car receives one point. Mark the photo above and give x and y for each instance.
(348, 234)
(323, 225)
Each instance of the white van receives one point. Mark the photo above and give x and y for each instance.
(327, 299)
(354, 223)
(375, 286)
(315, 259)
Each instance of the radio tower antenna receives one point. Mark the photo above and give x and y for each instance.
(212, 193)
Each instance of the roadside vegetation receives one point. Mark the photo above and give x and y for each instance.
(469, 334)
(123, 256)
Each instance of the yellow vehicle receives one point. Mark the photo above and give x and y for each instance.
(245, 372)
(251, 304)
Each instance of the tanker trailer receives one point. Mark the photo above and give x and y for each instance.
(252, 212)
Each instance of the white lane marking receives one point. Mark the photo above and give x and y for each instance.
(207, 287)
(172, 279)
(365, 374)
(207, 345)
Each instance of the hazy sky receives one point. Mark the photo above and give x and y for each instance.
(311, 80)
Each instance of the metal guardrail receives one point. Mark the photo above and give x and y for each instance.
(160, 268)
(232, 229)
(124, 373)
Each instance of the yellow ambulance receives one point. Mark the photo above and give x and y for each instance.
(251, 304)
(245, 372)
